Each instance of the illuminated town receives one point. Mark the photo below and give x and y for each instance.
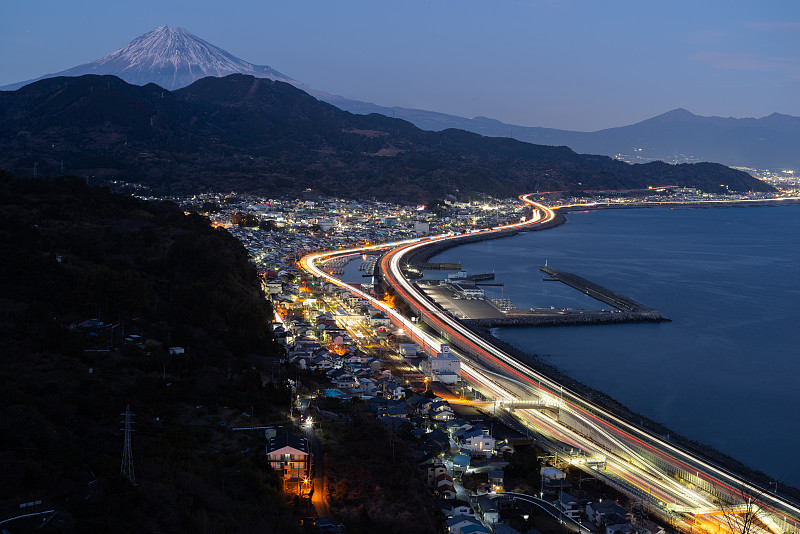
(469, 412)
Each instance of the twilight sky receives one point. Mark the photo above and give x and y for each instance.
(571, 64)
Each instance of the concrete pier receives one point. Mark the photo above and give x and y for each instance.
(438, 266)
(598, 292)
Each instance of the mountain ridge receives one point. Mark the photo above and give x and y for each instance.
(174, 58)
(763, 143)
(254, 134)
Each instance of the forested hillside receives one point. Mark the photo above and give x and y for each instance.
(83, 273)
(246, 134)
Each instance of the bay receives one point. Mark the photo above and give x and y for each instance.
(725, 370)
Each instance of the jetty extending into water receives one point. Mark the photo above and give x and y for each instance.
(439, 266)
(625, 310)
(597, 291)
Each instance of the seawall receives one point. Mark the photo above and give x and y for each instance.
(609, 403)
(583, 318)
(421, 256)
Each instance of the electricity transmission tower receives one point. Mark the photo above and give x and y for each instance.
(127, 455)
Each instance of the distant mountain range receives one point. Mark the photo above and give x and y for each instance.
(677, 136)
(248, 134)
(173, 58)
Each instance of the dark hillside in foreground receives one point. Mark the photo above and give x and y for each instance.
(247, 134)
(72, 254)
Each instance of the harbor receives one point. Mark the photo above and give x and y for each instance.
(460, 296)
(596, 291)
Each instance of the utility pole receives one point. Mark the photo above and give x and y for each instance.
(391, 436)
(127, 456)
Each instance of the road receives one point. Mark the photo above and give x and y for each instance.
(319, 497)
(641, 463)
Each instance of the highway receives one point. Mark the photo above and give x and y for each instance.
(652, 469)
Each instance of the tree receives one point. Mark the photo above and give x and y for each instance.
(244, 219)
(267, 226)
(742, 517)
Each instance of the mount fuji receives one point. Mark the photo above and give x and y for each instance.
(172, 58)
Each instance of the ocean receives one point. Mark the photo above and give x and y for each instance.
(725, 370)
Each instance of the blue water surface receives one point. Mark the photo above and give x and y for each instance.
(725, 370)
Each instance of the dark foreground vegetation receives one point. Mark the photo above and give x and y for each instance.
(374, 484)
(81, 271)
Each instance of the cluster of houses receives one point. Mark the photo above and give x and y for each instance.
(296, 303)
(288, 229)
(483, 514)
(603, 515)
(451, 446)
(492, 513)
(319, 340)
(350, 371)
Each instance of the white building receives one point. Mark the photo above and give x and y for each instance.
(421, 228)
(444, 367)
(467, 289)
(476, 441)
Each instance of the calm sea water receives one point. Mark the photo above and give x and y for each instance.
(725, 370)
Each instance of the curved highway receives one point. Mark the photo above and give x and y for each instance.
(648, 466)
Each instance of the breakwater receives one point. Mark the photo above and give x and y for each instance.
(643, 364)
(575, 318)
(438, 266)
(598, 292)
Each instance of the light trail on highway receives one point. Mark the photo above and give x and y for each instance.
(641, 458)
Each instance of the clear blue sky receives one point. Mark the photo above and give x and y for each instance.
(575, 64)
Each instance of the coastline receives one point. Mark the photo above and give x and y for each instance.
(699, 204)
(482, 328)
(427, 253)
(707, 452)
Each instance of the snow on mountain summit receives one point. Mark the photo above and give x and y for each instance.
(174, 58)
(170, 57)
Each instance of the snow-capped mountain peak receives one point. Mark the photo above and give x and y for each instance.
(178, 58)
(172, 58)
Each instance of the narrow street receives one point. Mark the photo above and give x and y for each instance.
(319, 497)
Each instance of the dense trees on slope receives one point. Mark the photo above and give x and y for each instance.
(72, 253)
(242, 133)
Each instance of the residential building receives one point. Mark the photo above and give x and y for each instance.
(288, 455)
(457, 523)
(599, 512)
(476, 441)
(444, 368)
(496, 480)
(569, 505)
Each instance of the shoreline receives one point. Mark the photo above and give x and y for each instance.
(483, 329)
(427, 253)
(698, 204)
(608, 402)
